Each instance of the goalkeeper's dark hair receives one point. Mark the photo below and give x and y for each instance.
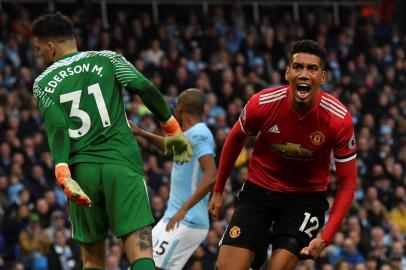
(53, 26)
(310, 47)
(193, 101)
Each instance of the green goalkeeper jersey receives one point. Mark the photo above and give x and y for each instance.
(80, 98)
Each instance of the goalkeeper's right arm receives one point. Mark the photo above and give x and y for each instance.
(58, 136)
(70, 187)
(58, 139)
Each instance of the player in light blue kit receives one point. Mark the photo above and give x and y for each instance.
(185, 223)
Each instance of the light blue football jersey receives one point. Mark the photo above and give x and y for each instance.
(186, 177)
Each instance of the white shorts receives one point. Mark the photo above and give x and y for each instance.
(173, 249)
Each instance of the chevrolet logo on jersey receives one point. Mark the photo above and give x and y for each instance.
(293, 150)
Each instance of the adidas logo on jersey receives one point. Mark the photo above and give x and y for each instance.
(274, 129)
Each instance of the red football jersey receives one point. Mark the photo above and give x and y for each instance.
(292, 152)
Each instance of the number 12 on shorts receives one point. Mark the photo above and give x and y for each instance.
(313, 220)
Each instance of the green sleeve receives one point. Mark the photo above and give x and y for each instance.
(152, 98)
(124, 71)
(128, 76)
(58, 137)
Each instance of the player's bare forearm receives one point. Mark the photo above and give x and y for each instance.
(156, 140)
(206, 183)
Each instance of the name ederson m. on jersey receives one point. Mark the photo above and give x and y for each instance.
(87, 87)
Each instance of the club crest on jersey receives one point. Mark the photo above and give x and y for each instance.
(235, 231)
(317, 137)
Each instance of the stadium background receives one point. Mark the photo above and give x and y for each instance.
(229, 49)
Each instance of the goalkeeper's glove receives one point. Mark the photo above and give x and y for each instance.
(70, 187)
(175, 142)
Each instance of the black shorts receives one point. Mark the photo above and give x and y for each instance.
(262, 216)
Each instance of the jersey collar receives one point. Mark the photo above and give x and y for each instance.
(66, 56)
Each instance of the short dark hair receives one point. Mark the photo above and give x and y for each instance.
(53, 25)
(310, 47)
(193, 101)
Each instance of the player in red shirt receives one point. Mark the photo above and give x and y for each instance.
(297, 126)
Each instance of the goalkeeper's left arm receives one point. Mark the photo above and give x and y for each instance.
(165, 143)
(175, 142)
(58, 138)
(128, 76)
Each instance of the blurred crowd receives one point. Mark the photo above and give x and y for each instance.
(229, 57)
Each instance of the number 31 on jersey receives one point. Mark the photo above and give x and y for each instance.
(75, 111)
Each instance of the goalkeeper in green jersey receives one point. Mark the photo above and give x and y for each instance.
(80, 98)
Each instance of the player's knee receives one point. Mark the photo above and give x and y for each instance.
(259, 258)
(289, 243)
(222, 264)
(225, 261)
(138, 244)
(93, 254)
(93, 262)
